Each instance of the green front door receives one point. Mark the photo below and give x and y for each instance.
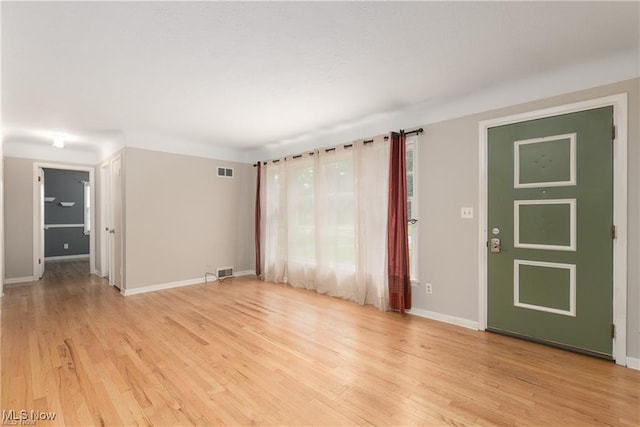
(550, 204)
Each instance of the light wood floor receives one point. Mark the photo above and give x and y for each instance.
(245, 352)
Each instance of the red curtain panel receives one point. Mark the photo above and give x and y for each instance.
(397, 232)
(258, 217)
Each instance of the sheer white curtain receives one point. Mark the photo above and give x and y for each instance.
(289, 222)
(300, 224)
(335, 222)
(371, 168)
(275, 219)
(326, 219)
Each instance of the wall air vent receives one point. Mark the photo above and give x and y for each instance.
(224, 272)
(225, 172)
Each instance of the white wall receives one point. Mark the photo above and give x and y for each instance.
(182, 220)
(18, 217)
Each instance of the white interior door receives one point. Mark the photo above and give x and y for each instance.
(115, 231)
(1, 224)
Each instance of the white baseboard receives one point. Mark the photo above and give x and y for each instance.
(458, 321)
(66, 257)
(178, 284)
(244, 273)
(633, 363)
(162, 286)
(20, 280)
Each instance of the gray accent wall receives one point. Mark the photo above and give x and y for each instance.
(65, 186)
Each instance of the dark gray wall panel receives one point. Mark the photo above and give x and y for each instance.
(55, 238)
(65, 186)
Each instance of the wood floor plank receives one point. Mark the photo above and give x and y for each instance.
(245, 352)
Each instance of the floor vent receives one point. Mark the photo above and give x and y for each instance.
(224, 272)
(225, 172)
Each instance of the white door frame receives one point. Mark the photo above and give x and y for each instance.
(112, 246)
(38, 244)
(1, 222)
(105, 220)
(620, 177)
(38, 273)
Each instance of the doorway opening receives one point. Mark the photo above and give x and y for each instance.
(64, 219)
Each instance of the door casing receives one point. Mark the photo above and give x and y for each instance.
(105, 220)
(116, 222)
(619, 103)
(1, 222)
(41, 235)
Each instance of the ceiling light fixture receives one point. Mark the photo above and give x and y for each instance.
(58, 141)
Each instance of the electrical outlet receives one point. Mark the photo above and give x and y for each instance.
(66, 246)
(428, 287)
(466, 213)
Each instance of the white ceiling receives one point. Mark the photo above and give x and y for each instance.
(239, 75)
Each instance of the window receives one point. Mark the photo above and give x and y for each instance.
(338, 221)
(301, 229)
(412, 205)
(87, 207)
(325, 224)
(274, 212)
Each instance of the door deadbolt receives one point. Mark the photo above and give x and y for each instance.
(495, 245)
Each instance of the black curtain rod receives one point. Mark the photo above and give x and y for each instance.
(366, 141)
(416, 131)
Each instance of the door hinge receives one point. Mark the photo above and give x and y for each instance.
(613, 133)
(613, 331)
(613, 231)
(39, 179)
(39, 260)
